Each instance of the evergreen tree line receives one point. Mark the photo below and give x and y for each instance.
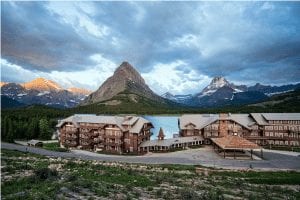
(19, 128)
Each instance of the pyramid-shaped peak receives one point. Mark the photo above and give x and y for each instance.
(219, 79)
(218, 82)
(125, 79)
(125, 63)
(126, 66)
(127, 72)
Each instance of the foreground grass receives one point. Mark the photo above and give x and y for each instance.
(27, 176)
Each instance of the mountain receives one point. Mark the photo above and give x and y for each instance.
(289, 101)
(2, 83)
(273, 90)
(42, 91)
(183, 99)
(125, 81)
(79, 91)
(220, 82)
(42, 84)
(7, 102)
(221, 92)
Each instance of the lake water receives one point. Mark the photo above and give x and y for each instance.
(169, 125)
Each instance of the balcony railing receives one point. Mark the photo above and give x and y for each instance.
(71, 136)
(271, 138)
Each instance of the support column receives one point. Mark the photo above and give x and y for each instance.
(224, 152)
(251, 154)
(261, 153)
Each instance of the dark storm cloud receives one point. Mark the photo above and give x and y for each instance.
(33, 38)
(253, 41)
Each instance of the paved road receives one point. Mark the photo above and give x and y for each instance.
(203, 156)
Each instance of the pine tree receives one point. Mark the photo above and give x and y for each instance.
(44, 129)
(30, 133)
(4, 127)
(10, 131)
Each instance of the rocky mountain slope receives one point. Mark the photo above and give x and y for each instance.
(44, 92)
(125, 80)
(183, 99)
(42, 84)
(221, 92)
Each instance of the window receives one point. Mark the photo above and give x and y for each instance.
(127, 141)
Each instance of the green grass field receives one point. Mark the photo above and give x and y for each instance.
(28, 176)
(54, 147)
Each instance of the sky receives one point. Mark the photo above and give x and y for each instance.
(177, 47)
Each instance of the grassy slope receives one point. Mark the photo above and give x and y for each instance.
(132, 103)
(287, 102)
(28, 176)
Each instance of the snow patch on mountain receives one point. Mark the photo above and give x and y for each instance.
(21, 94)
(43, 93)
(274, 93)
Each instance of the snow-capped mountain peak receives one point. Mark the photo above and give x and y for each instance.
(215, 84)
(42, 84)
(218, 82)
(167, 95)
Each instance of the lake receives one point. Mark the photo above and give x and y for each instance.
(169, 125)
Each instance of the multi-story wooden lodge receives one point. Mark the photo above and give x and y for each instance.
(115, 134)
(260, 128)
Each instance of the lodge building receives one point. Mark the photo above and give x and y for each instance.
(114, 134)
(227, 132)
(259, 128)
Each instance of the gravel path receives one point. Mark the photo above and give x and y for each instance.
(203, 156)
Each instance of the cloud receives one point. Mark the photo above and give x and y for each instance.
(191, 42)
(89, 78)
(77, 15)
(175, 78)
(36, 40)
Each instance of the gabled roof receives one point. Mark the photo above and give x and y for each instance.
(136, 123)
(190, 123)
(139, 125)
(260, 120)
(281, 116)
(129, 120)
(234, 142)
(200, 121)
(242, 119)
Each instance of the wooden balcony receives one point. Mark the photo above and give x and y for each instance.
(97, 140)
(72, 137)
(71, 131)
(113, 136)
(85, 137)
(85, 143)
(111, 143)
(71, 143)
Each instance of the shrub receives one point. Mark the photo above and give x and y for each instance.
(45, 173)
